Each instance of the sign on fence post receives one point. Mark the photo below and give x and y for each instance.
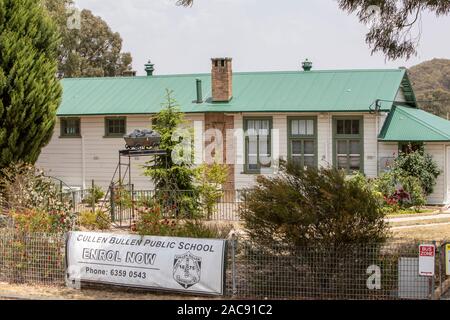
(426, 260)
(447, 259)
(177, 264)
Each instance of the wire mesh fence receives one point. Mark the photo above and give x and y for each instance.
(31, 258)
(347, 272)
(350, 272)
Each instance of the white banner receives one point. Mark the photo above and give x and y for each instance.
(179, 264)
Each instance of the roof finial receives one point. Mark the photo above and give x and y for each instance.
(307, 65)
(149, 68)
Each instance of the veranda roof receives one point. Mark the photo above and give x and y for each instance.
(406, 124)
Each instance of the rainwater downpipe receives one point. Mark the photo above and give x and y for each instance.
(83, 163)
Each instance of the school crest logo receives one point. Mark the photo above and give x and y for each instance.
(187, 269)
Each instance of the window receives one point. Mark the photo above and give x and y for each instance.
(348, 144)
(115, 127)
(409, 147)
(258, 143)
(302, 144)
(70, 127)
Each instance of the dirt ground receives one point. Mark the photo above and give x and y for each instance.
(29, 292)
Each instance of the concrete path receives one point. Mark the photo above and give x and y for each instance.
(421, 226)
(419, 218)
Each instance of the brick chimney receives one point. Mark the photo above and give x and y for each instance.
(222, 79)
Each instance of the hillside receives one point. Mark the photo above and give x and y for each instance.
(431, 81)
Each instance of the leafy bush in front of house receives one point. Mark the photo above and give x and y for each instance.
(311, 225)
(94, 196)
(40, 221)
(95, 220)
(210, 179)
(321, 206)
(151, 222)
(122, 197)
(420, 165)
(400, 192)
(34, 201)
(26, 187)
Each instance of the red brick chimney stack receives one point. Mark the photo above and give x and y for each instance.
(222, 79)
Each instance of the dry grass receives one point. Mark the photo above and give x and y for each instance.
(419, 222)
(431, 232)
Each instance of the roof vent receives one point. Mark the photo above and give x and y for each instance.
(149, 68)
(307, 65)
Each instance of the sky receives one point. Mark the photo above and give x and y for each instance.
(260, 35)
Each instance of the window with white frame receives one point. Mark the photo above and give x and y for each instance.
(258, 153)
(348, 143)
(302, 141)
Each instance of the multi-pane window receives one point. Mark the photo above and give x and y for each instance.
(348, 140)
(302, 141)
(258, 144)
(70, 127)
(115, 127)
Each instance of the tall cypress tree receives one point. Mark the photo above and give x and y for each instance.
(30, 93)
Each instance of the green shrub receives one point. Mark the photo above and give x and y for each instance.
(400, 192)
(419, 165)
(210, 179)
(39, 221)
(151, 222)
(201, 230)
(25, 187)
(300, 206)
(94, 196)
(95, 220)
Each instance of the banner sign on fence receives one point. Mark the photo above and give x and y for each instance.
(178, 264)
(426, 260)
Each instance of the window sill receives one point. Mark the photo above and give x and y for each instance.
(69, 137)
(258, 172)
(114, 136)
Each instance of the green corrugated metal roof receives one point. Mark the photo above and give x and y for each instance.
(320, 91)
(410, 124)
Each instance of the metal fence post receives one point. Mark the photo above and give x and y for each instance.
(132, 203)
(440, 268)
(111, 199)
(233, 263)
(93, 196)
(61, 191)
(432, 279)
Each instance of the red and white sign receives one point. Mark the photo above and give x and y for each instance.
(426, 260)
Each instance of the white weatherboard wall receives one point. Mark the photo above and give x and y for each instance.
(78, 161)
(279, 122)
(324, 145)
(389, 151)
(438, 152)
(62, 158)
(448, 175)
